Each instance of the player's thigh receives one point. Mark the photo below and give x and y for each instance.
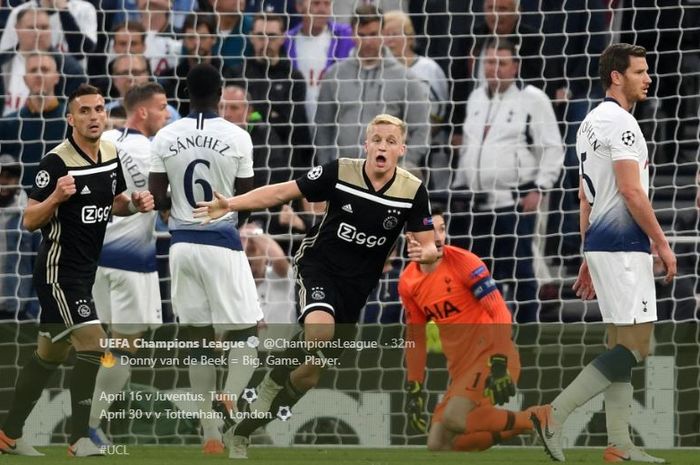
(88, 338)
(624, 284)
(439, 437)
(189, 299)
(135, 301)
(636, 337)
(101, 293)
(55, 352)
(230, 286)
(65, 307)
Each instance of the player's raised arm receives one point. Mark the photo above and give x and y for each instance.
(257, 199)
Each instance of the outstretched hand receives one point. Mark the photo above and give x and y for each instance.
(584, 284)
(215, 208)
(414, 248)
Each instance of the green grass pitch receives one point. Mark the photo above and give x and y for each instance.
(172, 455)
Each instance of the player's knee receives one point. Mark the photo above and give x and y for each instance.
(305, 377)
(319, 332)
(454, 421)
(435, 444)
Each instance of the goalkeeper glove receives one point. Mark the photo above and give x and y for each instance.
(415, 406)
(499, 384)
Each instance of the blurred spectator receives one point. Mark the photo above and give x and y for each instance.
(17, 246)
(316, 44)
(128, 10)
(512, 153)
(280, 7)
(162, 48)
(233, 29)
(126, 39)
(199, 35)
(277, 91)
(399, 37)
(127, 71)
(502, 19)
(116, 118)
(357, 89)
(272, 274)
(270, 160)
(33, 34)
(73, 26)
(40, 124)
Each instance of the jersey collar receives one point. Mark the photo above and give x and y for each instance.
(610, 99)
(126, 131)
(83, 154)
(368, 182)
(205, 114)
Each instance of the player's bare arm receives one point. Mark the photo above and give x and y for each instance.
(584, 284)
(158, 186)
(257, 199)
(421, 247)
(37, 214)
(140, 202)
(637, 202)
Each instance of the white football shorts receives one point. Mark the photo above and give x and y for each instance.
(624, 284)
(212, 285)
(128, 301)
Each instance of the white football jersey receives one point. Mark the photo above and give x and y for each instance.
(608, 134)
(202, 154)
(130, 242)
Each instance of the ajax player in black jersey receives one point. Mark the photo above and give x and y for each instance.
(78, 187)
(369, 202)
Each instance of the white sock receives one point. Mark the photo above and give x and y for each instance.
(239, 373)
(203, 383)
(587, 384)
(618, 411)
(109, 382)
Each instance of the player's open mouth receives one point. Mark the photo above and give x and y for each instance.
(94, 127)
(381, 160)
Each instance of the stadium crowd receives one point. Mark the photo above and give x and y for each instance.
(492, 92)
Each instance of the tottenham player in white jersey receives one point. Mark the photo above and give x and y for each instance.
(212, 283)
(617, 225)
(126, 289)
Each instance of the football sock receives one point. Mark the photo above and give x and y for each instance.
(202, 384)
(618, 411)
(482, 440)
(82, 387)
(110, 381)
(240, 369)
(492, 419)
(614, 365)
(30, 384)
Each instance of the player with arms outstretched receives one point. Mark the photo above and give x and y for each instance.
(369, 201)
(617, 224)
(458, 293)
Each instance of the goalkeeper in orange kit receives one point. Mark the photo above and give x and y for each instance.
(458, 293)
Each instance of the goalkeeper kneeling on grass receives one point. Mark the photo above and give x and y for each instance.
(458, 293)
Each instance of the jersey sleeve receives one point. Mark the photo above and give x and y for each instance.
(121, 181)
(318, 183)
(478, 279)
(622, 137)
(245, 163)
(51, 168)
(419, 217)
(157, 150)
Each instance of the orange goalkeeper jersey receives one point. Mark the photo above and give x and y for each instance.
(462, 298)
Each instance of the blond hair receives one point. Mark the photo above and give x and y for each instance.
(388, 119)
(406, 24)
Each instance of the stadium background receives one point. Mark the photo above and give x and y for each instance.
(362, 403)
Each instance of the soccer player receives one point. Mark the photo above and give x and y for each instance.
(617, 224)
(211, 279)
(459, 294)
(126, 290)
(339, 262)
(78, 187)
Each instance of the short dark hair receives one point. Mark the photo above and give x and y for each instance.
(502, 44)
(194, 20)
(83, 89)
(365, 14)
(204, 83)
(617, 58)
(268, 17)
(141, 93)
(130, 26)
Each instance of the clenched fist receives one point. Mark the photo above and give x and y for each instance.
(65, 188)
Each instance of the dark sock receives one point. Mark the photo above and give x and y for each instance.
(82, 386)
(30, 384)
(616, 364)
(287, 397)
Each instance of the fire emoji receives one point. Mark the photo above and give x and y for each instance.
(108, 360)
